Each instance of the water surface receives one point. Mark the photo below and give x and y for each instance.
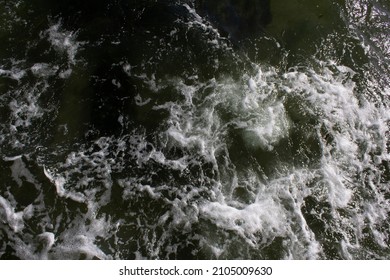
(190, 130)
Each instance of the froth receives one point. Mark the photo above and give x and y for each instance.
(265, 218)
(63, 41)
(12, 218)
(244, 159)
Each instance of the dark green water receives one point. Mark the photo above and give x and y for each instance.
(194, 129)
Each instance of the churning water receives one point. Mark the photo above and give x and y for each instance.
(189, 130)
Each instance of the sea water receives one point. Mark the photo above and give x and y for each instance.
(160, 130)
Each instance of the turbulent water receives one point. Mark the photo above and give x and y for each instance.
(182, 130)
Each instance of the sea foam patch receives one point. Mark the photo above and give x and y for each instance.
(221, 153)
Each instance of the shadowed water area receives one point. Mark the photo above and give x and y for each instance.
(194, 129)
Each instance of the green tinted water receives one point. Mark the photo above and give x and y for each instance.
(160, 130)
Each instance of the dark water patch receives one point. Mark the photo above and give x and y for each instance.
(237, 19)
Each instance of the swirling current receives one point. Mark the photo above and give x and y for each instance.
(194, 129)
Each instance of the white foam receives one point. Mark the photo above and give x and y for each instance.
(43, 70)
(46, 241)
(28, 212)
(177, 164)
(116, 83)
(64, 41)
(14, 73)
(140, 101)
(199, 123)
(199, 23)
(339, 194)
(267, 131)
(20, 171)
(331, 95)
(264, 217)
(65, 73)
(75, 245)
(59, 183)
(252, 85)
(12, 218)
(25, 109)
